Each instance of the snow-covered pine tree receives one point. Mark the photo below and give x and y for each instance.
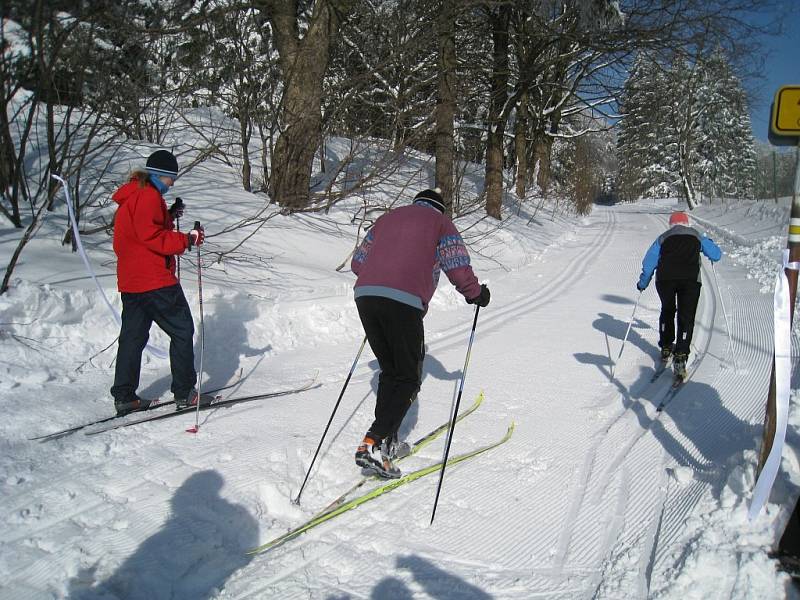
(735, 159)
(685, 131)
(645, 146)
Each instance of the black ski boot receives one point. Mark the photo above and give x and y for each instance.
(666, 354)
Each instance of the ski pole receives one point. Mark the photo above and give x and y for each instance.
(722, 302)
(196, 427)
(625, 339)
(336, 406)
(454, 414)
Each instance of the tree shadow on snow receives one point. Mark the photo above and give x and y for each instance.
(202, 543)
(614, 299)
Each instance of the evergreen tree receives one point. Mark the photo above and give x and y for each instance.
(645, 146)
(685, 131)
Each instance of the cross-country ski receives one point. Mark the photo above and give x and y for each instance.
(376, 492)
(216, 402)
(152, 405)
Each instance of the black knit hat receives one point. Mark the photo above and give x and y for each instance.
(163, 162)
(432, 197)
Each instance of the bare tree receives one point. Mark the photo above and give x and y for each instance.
(61, 48)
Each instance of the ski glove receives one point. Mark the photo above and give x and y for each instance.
(196, 237)
(639, 287)
(176, 210)
(482, 299)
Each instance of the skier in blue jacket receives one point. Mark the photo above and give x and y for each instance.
(675, 258)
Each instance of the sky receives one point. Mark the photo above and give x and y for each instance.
(781, 67)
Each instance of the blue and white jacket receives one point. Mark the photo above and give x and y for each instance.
(675, 255)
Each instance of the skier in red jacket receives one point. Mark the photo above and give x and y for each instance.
(398, 266)
(146, 245)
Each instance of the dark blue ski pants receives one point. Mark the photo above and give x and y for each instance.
(167, 307)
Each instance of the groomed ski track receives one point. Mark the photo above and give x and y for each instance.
(589, 499)
(585, 501)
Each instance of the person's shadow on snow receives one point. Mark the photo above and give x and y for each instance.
(711, 433)
(227, 338)
(225, 341)
(437, 583)
(615, 329)
(202, 543)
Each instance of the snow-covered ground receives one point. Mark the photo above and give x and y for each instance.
(594, 496)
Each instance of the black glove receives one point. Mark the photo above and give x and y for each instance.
(483, 298)
(638, 287)
(176, 210)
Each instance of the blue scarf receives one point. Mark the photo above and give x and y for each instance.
(159, 185)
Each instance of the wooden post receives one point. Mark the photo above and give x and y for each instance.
(793, 244)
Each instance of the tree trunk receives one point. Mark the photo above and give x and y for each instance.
(303, 63)
(245, 131)
(499, 22)
(684, 166)
(297, 143)
(446, 102)
(521, 145)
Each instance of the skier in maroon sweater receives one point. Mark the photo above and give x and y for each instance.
(398, 266)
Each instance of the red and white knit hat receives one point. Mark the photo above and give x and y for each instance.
(678, 218)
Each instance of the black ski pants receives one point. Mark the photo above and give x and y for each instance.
(395, 333)
(167, 307)
(681, 295)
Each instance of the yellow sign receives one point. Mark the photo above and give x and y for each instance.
(786, 111)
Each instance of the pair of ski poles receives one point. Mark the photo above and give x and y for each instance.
(451, 428)
(179, 206)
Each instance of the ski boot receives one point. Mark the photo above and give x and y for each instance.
(135, 404)
(191, 400)
(396, 449)
(381, 465)
(679, 366)
(666, 354)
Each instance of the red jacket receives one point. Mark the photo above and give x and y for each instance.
(143, 239)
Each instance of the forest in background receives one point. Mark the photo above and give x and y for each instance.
(567, 101)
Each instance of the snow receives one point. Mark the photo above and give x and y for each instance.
(594, 496)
